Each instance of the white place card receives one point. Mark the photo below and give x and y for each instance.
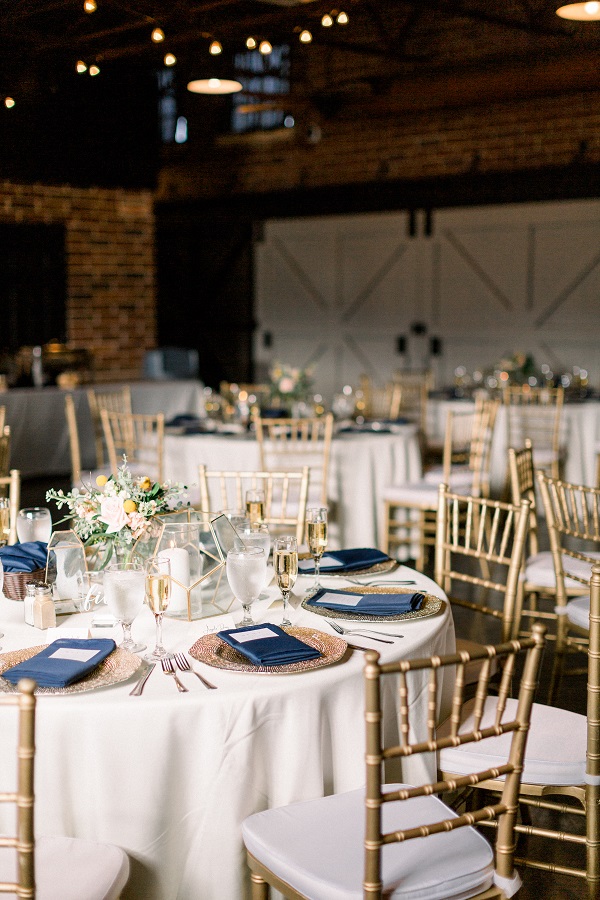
(53, 634)
(214, 624)
(326, 560)
(72, 653)
(244, 637)
(329, 599)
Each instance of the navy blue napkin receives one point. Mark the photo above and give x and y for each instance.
(50, 670)
(24, 557)
(358, 558)
(369, 604)
(278, 650)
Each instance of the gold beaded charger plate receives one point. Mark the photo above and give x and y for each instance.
(211, 650)
(431, 605)
(388, 565)
(117, 667)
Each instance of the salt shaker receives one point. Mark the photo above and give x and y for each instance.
(29, 601)
(44, 613)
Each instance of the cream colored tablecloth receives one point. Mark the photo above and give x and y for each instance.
(170, 777)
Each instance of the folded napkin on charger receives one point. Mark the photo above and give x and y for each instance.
(62, 662)
(24, 557)
(344, 561)
(268, 645)
(366, 604)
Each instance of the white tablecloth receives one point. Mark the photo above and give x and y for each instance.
(361, 466)
(170, 777)
(39, 435)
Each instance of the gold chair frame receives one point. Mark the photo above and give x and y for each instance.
(284, 442)
(281, 488)
(2, 418)
(139, 437)
(117, 400)
(536, 413)
(377, 753)
(414, 396)
(4, 450)
(380, 403)
(74, 445)
(12, 483)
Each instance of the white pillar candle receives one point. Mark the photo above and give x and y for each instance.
(180, 571)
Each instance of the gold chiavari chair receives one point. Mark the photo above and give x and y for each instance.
(140, 438)
(11, 485)
(5, 450)
(50, 867)
(116, 400)
(286, 494)
(561, 770)
(573, 518)
(313, 849)
(414, 396)
(536, 414)
(380, 403)
(287, 444)
(74, 445)
(410, 510)
(2, 418)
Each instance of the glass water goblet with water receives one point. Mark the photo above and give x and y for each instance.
(285, 563)
(34, 524)
(255, 505)
(124, 595)
(316, 538)
(158, 594)
(246, 574)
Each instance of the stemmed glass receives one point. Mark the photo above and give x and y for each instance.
(246, 574)
(285, 563)
(34, 524)
(124, 595)
(158, 594)
(4, 520)
(255, 505)
(316, 538)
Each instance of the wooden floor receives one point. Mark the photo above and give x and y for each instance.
(536, 885)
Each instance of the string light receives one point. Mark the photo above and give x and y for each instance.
(215, 48)
(94, 70)
(9, 102)
(90, 6)
(265, 48)
(250, 43)
(81, 66)
(327, 21)
(158, 35)
(170, 59)
(305, 37)
(342, 18)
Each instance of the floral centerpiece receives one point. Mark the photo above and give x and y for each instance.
(289, 385)
(112, 515)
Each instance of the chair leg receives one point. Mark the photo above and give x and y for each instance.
(558, 663)
(592, 799)
(260, 888)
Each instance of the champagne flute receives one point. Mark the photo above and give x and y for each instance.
(246, 574)
(316, 538)
(255, 505)
(158, 594)
(124, 595)
(4, 521)
(34, 524)
(285, 563)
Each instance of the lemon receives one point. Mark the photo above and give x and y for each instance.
(101, 480)
(129, 506)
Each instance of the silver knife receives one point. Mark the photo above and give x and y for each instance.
(139, 686)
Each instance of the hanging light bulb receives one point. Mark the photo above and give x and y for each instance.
(327, 21)
(9, 102)
(580, 12)
(170, 59)
(90, 6)
(305, 37)
(158, 35)
(342, 18)
(265, 48)
(250, 43)
(94, 70)
(215, 48)
(81, 66)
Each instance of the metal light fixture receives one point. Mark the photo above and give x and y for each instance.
(580, 12)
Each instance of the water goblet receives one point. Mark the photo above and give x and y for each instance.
(285, 563)
(316, 538)
(256, 535)
(255, 505)
(34, 524)
(246, 574)
(124, 595)
(158, 594)
(4, 521)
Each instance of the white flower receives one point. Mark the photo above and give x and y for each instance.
(112, 514)
(286, 385)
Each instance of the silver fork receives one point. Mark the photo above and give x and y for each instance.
(378, 582)
(364, 631)
(184, 665)
(169, 669)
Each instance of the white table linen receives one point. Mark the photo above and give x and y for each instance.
(170, 777)
(360, 466)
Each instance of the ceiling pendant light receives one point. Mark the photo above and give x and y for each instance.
(342, 18)
(327, 21)
(305, 37)
(158, 35)
(251, 43)
(9, 102)
(214, 86)
(80, 66)
(215, 48)
(580, 12)
(170, 59)
(90, 6)
(94, 70)
(265, 48)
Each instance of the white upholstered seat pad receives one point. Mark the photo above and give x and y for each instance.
(317, 847)
(539, 570)
(578, 612)
(460, 477)
(72, 869)
(555, 751)
(420, 494)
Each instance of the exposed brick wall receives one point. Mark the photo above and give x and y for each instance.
(111, 297)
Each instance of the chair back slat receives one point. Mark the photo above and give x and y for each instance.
(113, 400)
(522, 486)
(5, 450)
(291, 443)
(74, 445)
(536, 414)
(138, 437)
(11, 484)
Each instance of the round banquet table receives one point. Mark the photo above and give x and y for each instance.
(361, 465)
(170, 777)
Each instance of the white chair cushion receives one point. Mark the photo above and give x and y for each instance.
(318, 848)
(578, 612)
(555, 746)
(461, 477)
(539, 570)
(419, 494)
(73, 869)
